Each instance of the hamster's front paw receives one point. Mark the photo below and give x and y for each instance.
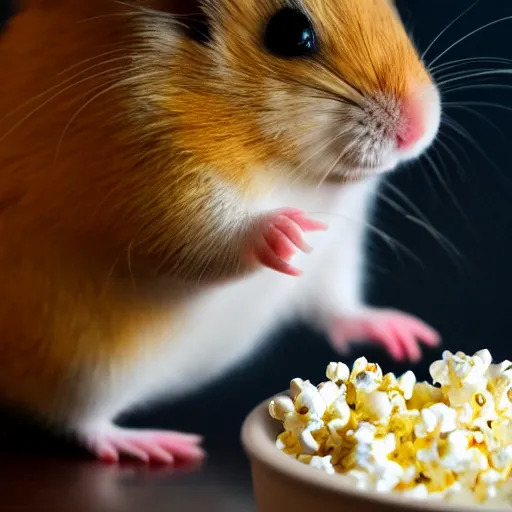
(276, 236)
(110, 443)
(398, 332)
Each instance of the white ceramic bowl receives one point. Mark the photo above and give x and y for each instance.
(282, 484)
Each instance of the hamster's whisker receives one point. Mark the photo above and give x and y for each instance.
(465, 106)
(206, 260)
(451, 154)
(421, 220)
(414, 207)
(457, 258)
(121, 70)
(91, 59)
(326, 92)
(339, 77)
(117, 186)
(392, 242)
(460, 130)
(112, 84)
(330, 97)
(492, 72)
(460, 104)
(144, 12)
(455, 142)
(57, 86)
(329, 170)
(477, 103)
(141, 9)
(437, 154)
(470, 60)
(307, 160)
(477, 86)
(472, 33)
(436, 170)
(118, 81)
(108, 278)
(464, 74)
(108, 15)
(323, 89)
(445, 29)
(426, 176)
(346, 150)
(445, 185)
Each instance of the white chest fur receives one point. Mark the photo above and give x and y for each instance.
(225, 324)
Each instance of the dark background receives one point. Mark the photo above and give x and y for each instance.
(463, 292)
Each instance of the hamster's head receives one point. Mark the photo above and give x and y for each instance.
(134, 108)
(329, 89)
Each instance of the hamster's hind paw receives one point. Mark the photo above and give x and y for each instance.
(398, 332)
(110, 443)
(277, 235)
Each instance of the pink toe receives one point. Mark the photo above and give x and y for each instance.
(421, 330)
(292, 231)
(269, 259)
(398, 332)
(180, 447)
(178, 437)
(189, 452)
(428, 335)
(388, 339)
(108, 454)
(409, 344)
(110, 443)
(308, 224)
(156, 453)
(279, 243)
(290, 211)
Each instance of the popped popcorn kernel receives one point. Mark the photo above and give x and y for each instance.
(337, 372)
(449, 440)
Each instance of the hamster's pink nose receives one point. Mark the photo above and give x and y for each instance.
(411, 127)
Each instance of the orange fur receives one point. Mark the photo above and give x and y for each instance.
(97, 215)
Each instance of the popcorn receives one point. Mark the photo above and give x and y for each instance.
(323, 463)
(309, 443)
(310, 401)
(337, 372)
(406, 384)
(377, 405)
(281, 407)
(329, 392)
(445, 417)
(451, 441)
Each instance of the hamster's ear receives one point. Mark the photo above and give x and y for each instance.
(196, 19)
(7, 10)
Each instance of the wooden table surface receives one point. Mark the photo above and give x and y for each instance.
(43, 484)
(41, 475)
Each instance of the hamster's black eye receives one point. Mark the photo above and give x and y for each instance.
(289, 33)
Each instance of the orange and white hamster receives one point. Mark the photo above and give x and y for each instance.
(162, 164)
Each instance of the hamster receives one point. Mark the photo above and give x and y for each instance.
(165, 170)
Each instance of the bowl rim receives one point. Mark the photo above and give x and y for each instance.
(259, 444)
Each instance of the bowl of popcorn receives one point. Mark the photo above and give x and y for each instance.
(367, 441)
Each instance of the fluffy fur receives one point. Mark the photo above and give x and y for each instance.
(132, 162)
